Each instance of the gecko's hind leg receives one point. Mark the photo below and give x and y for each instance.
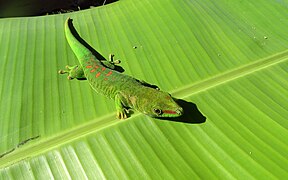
(110, 63)
(111, 59)
(73, 72)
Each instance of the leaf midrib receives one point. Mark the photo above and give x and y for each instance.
(45, 145)
(228, 76)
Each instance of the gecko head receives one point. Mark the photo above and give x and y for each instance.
(161, 104)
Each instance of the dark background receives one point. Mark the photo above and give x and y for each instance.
(20, 8)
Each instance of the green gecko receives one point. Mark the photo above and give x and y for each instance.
(127, 91)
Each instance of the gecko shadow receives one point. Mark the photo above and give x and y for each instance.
(94, 52)
(191, 114)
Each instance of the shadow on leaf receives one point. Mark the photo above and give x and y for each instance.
(191, 115)
(94, 52)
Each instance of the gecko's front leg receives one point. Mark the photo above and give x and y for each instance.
(121, 111)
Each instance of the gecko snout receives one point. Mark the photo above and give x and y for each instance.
(179, 111)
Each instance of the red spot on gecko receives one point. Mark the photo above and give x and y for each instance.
(92, 70)
(169, 112)
(89, 66)
(109, 73)
(98, 74)
(103, 68)
(96, 67)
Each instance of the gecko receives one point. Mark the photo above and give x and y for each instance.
(127, 91)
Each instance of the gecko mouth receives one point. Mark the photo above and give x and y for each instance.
(169, 112)
(178, 111)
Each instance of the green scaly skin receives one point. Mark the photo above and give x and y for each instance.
(127, 91)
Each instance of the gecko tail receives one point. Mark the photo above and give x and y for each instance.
(77, 47)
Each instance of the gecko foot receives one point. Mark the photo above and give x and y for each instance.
(68, 69)
(112, 61)
(121, 114)
(73, 72)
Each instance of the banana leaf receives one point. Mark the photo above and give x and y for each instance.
(225, 62)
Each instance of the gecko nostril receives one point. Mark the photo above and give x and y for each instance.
(179, 111)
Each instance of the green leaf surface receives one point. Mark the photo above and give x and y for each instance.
(227, 59)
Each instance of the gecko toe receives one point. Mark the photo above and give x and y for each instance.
(121, 115)
(117, 61)
(69, 78)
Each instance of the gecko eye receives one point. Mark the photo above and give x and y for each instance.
(158, 111)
